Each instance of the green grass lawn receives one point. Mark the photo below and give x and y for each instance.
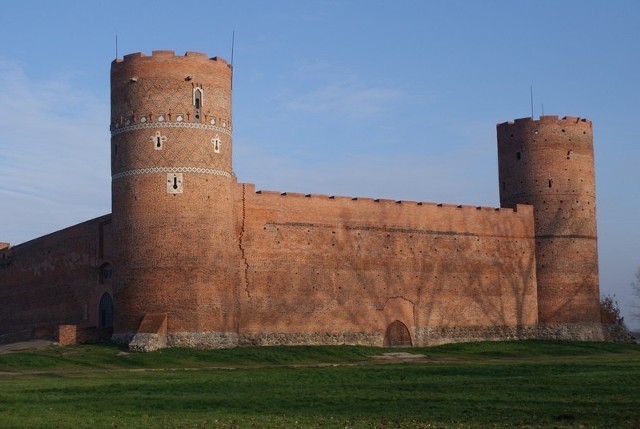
(508, 384)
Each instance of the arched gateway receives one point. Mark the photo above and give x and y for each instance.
(105, 311)
(397, 335)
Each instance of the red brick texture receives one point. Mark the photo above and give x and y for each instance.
(176, 253)
(549, 163)
(54, 280)
(200, 260)
(325, 264)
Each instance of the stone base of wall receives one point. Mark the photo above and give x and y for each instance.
(444, 335)
(148, 342)
(202, 340)
(310, 339)
(423, 337)
(567, 332)
(195, 340)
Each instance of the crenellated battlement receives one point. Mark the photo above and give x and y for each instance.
(160, 89)
(363, 201)
(547, 119)
(165, 54)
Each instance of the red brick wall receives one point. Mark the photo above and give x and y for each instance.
(50, 280)
(176, 252)
(321, 264)
(218, 258)
(549, 163)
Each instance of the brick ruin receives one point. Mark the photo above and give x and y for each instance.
(190, 257)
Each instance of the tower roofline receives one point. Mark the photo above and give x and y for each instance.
(163, 54)
(545, 120)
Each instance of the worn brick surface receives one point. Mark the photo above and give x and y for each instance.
(549, 163)
(231, 266)
(320, 264)
(54, 280)
(174, 253)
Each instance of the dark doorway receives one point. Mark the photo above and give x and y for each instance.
(397, 335)
(105, 312)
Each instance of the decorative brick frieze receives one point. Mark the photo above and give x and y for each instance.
(151, 125)
(154, 170)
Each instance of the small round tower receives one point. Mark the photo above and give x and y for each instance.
(548, 163)
(172, 180)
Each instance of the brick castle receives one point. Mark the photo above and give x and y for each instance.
(190, 257)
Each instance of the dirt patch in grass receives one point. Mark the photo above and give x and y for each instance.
(26, 346)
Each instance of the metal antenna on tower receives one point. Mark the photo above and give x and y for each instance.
(542, 114)
(532, 101)
(116, 46)
(233, 39)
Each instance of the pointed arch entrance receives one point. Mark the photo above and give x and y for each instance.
(105, 311)
(397, 335)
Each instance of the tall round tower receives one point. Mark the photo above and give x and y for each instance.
(549, 163)
(174, 242)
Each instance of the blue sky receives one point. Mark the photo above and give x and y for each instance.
(363, 98)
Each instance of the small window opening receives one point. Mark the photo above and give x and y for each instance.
(550, 182)
(216, 144)
(105, 273)
(158, 140)
(197, 103)
(569, 153)
(518, 156)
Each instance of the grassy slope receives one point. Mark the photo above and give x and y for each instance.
(525, 384)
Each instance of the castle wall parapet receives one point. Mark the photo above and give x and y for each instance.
(365, 205)
(160, 54)
(547, 119)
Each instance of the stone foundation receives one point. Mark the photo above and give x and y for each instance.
(311, 339)
(202, 340)
(148, 342)
(445, 335)
(567, 332)
(423, 337)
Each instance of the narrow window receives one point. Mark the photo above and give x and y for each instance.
(518, 156)
(158, 140)
(174, 183)
(105, 273)
(197, 104)
(215, 141)
(550, 182)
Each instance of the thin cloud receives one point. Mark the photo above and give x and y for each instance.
(54, 148)
(325, 88)
(459, 176)
(349, 98)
